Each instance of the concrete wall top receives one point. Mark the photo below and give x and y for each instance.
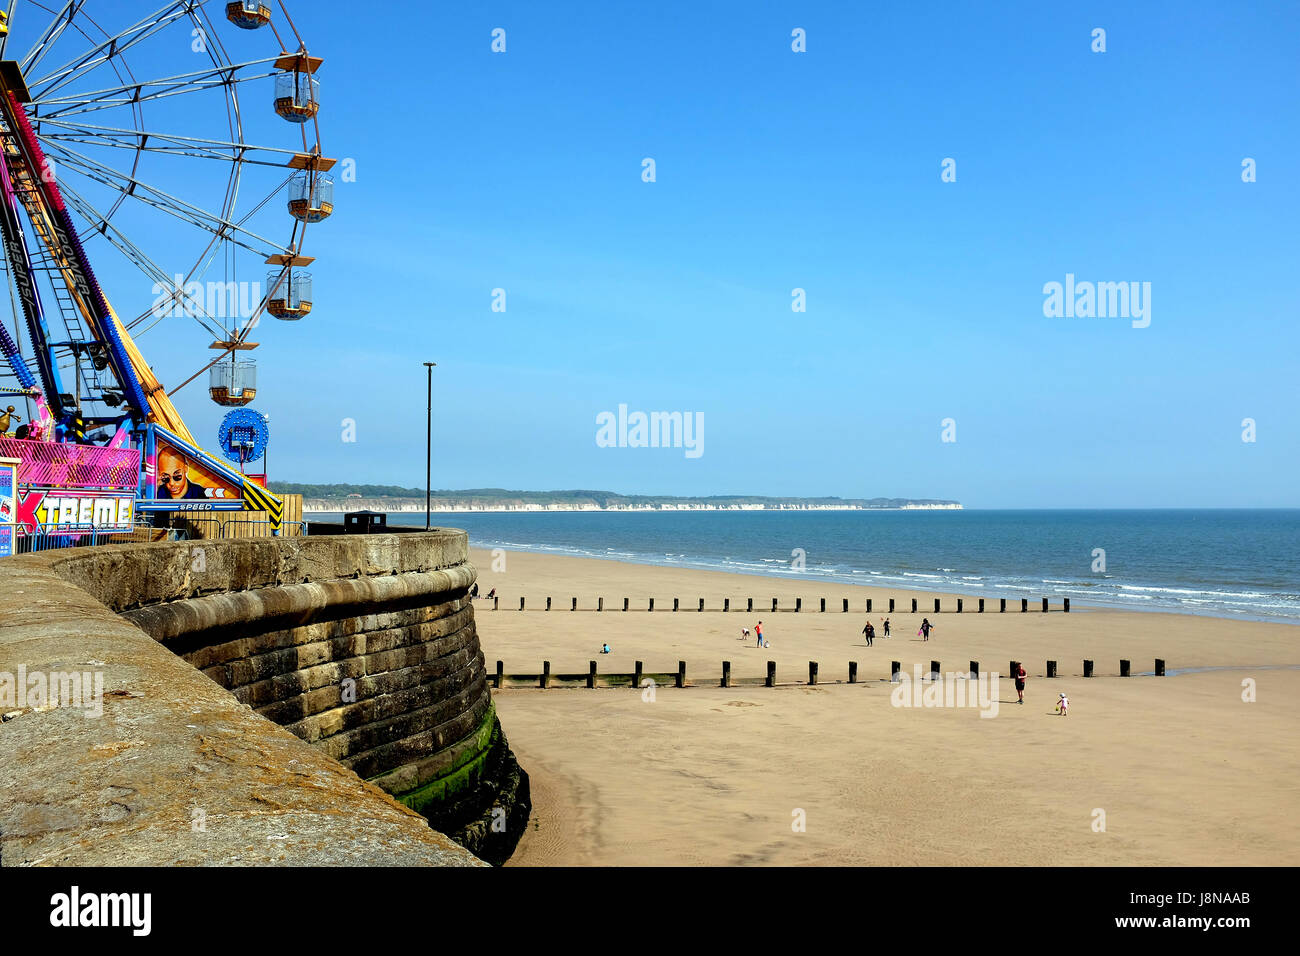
(175, 770)
(129, 576)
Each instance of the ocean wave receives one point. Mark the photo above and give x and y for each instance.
(1193, 596)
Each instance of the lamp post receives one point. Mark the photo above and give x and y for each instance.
(428, 453)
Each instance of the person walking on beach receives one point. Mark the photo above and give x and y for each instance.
(886, 630)
(1020, 681)
(925, 628)
(870, 632)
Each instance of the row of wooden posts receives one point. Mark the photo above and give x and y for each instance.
(679, 678)
(798, 605)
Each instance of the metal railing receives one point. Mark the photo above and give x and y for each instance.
(85, 535)
(192, 527)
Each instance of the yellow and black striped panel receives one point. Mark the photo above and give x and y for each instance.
(257, 498)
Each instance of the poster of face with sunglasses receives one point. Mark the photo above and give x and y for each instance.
(181, 478)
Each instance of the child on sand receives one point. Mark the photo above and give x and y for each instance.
(1063, 706)
(886, 628)
(744, 633)
(926, 627)
(1020, 682)
(604, 648)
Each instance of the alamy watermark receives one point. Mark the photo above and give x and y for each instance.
(1102, 300)
(43, 690)
(651, 430)
(218, 300)
(947, 690)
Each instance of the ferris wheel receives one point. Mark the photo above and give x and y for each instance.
(172, 150)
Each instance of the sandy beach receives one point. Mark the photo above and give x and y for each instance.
(1178, 770)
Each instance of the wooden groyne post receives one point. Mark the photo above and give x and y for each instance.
(591, 674)
(974, 670)
(546, 673)
(1087, 668)
(895, 668)
(1160, 667)
(853, 672)
(726, 673)
(771, 674)
(636, 676)
(501, 674)
(1123, 667)
(812, 672)
(1051, 668)
(681, 673)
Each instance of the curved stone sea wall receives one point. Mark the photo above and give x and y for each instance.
(363, 646)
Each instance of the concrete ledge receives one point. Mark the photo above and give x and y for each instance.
(286, 605)
(130, 576)
(176, 771)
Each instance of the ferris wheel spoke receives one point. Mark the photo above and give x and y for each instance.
(128, 94)
(174, 143)
(220, 226)
(107, 49)
(53, 30)
(151, 269)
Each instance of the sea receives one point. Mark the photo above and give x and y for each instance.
(1241, 564)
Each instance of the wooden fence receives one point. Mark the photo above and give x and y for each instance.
(895, 605)
(593, 678)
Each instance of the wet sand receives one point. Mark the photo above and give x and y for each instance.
(1185, 771)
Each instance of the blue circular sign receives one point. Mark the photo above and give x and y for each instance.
(243, 435)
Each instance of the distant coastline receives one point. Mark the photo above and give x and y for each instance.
(389, 498)
(401, 505)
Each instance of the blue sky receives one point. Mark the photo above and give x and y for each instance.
(820, 170)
